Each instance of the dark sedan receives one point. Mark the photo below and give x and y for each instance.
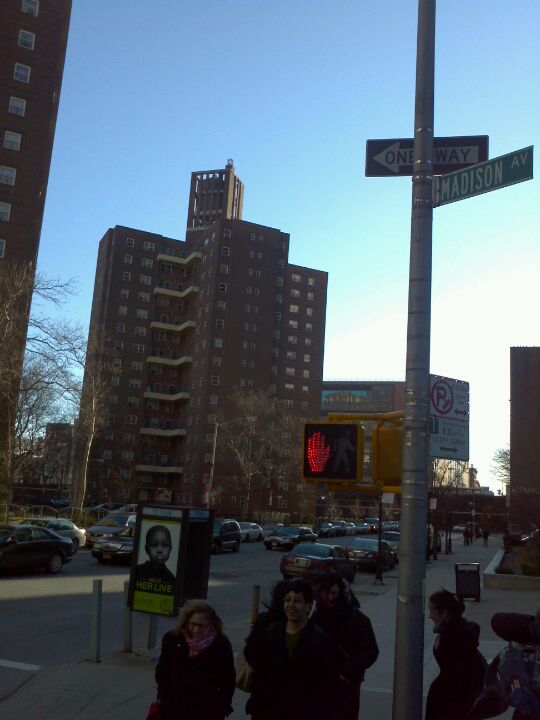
(312, 561)
(365, 551)
(111, 524)
(115, 548)
(287, 537)
(24, 547)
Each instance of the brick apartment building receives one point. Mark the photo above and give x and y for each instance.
(33, 38)
(190, 324)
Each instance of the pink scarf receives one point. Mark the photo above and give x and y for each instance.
(199, 645)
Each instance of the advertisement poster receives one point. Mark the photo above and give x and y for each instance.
(153, 582)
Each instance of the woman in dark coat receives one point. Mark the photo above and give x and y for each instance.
(295, 664)
(352, 632)
(460, 680)
(195, 672)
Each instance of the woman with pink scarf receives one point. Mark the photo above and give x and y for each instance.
(195, 673)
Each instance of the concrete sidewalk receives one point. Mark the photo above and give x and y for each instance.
(122, 686)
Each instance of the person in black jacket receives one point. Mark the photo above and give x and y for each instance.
(295, 664)
(352, 631)
(195, 672)
(462, 667)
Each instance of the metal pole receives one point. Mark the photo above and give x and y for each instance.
(379, 564)
(409, 651)
(128, 625)
(150, 626)
(95, 642)
(211, 478)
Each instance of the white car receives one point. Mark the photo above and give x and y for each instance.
(61, 526)
(251, 531)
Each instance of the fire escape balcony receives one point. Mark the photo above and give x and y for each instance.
(183, 261)
(169, 361)
(170, 396)
(172, 327)
(169, 292)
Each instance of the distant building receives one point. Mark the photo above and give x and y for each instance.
(189, 324)
(524, 435)
(33, 38)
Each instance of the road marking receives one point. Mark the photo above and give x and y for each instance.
(19, 666)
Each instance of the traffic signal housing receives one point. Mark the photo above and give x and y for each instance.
(333, 451)
(386, 454)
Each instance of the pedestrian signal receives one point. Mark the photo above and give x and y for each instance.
(333, 451)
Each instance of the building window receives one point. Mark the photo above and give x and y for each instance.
(147, 262)
(5, 211)
(305, 389)
(294, 308)
(279, 298)
(224, 269)
(305, 374)
(121, 327)
(7, 175)
(118, 345)
(124, 293)
(141, 314)
(307, 358)
(279, 281)
(221, 305)
(296, 278)
(26, 39)
(147, 245)
(309, 327)
(140, 330)
(138, 348)
(143, 297)
(218, 342)
(115, 380)
(122, 309)
(17, 106)
(311, 296)
(134, 383)
(292, 339)
(311, 281)
(131, 420)
(222, 287)
(12, 140)
(2, 248)
(290, 371)
(289, 387)
(213, 399)
(136, 365)
(214, 380)
(133, 401)
(127, 455)
(21, 72)
(295, 293)
(220, 324)
(291, 355)
(307, 341)
(128, 259)
(126, 276)
(130, 242)
(30, 7)
(309, 311)
(145, 279)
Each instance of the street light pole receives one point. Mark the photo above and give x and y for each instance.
(409, 650)
(211, 478)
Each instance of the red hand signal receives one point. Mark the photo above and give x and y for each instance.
(317, 452)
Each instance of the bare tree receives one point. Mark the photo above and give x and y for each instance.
(501, 465)
(265, 442)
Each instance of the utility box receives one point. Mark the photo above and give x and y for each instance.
(468, 580)
(196, 546)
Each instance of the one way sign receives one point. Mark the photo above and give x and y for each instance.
(394, 158)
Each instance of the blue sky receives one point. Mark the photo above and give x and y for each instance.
(291, 91)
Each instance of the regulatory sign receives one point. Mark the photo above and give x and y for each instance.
(484, 177)
(449, 418)
(394, 158)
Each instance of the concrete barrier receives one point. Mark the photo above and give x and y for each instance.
(502, 581)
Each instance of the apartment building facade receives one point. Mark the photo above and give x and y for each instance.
(33, 38)
(190, 325)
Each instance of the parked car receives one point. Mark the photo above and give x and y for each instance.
(373, 523)
(62, 527)
(350, 528)
(103, 507)
(115, 548)
(251, 531)
(365, 551)
(392, 538)
(226, 535)
(362, 528)
(25, 547)
(270, 528)
(286, 538)
(324, 529)
(312, 561)
(111, 524)
(339, 527)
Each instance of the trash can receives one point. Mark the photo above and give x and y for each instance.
(468, 580)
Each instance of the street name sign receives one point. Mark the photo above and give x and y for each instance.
(494, 174)
(395, 158)
(449, 418)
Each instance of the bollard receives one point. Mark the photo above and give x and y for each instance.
(128, 625)
(95, 643)
(255, 600)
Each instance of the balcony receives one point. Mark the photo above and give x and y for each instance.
(169, 361)
(162, 469)
(158, 427)
(176, 293)
(170, 396)
(172, 327)
(183, 261)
